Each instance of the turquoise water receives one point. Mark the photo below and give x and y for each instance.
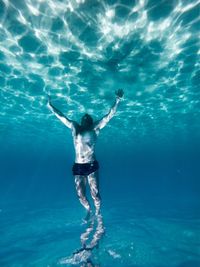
(79, 52)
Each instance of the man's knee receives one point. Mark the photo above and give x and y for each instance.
(95, 194)
(97, 200)
(82, 197)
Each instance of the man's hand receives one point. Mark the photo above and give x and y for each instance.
(119, 93)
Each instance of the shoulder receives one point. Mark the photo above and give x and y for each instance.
(96, 124)
(75, 124)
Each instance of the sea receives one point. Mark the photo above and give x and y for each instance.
(79, 53)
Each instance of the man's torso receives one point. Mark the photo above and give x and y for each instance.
(84, 144)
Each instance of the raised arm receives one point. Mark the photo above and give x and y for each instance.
(60, 115)
(102, 122)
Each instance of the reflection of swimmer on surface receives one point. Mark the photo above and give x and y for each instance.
(96, 236)
(85, 168)
(84, 254)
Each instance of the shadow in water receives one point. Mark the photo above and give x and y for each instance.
(89, 239)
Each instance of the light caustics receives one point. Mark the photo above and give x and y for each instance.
(81, 51)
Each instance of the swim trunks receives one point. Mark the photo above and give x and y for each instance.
(85, 168)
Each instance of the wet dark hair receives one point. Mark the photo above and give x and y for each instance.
(86, 121)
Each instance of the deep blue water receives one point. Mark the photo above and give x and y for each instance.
(79, 52)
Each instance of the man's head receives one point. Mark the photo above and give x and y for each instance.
(86, 121)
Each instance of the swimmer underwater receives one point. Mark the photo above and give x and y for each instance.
(85, 168)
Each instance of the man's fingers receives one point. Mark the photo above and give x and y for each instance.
(120, 92)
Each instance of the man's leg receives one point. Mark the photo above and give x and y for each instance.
(80, 183)
(93, 180)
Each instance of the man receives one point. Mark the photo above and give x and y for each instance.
(85, 168)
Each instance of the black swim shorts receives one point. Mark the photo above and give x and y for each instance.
(85, 168)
